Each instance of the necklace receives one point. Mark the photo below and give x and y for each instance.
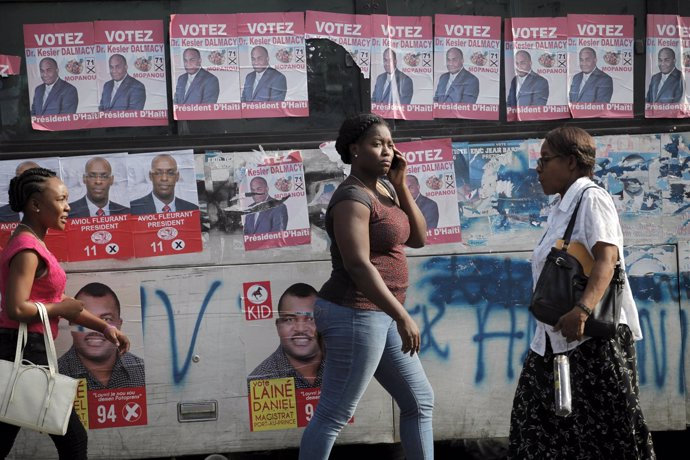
(21, 224)
(361, 182)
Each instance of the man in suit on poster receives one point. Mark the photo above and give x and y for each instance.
(54, 96)
(98, 178)
(164, 176)
(392, 86)
(196, 85)
(667, 85)
(265, 83)
(527, 88)
(6, 213)
(590, 84)
(458, 84)
(123, 92)
(272, 219)
(427, 206)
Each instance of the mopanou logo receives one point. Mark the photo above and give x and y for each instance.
(257, 300)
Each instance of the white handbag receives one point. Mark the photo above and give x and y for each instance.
(36, 396)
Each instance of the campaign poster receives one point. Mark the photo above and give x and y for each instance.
(9, 219)
(402, 71)
(61, 70)
(665, 95)
(205, 66)
(98, 226)
(431, 181)
(351, 31)
(130, 64)
(283, 387)
(112, 387)
(273, 201)
(9, 65)
(538, 89)
(467, 66)
(164, 204)
(629, 168)
(273, 65)
(501, 201)
(600, 65)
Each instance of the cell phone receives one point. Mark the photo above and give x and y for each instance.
(395, 162)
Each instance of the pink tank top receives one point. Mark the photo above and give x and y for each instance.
(49, 288)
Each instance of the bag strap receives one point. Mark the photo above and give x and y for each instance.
(571, 225)
(22, 337)
(48, 338)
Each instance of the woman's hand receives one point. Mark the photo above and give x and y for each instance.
(69, 308)
(572, 324)
(409, 333)
(396, 175)
(118, 338)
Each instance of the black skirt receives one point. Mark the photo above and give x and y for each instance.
(606, 420)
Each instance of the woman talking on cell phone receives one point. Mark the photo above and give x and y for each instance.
(359, 312)
(30, 273)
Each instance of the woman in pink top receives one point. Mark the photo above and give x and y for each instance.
(29, 272)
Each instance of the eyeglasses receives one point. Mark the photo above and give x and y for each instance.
(294, 318)
(168, 173)
(96, 176)
(543, 160)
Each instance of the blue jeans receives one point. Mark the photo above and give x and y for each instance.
(362, 344)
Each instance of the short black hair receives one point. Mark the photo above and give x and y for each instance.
(98, 290)
(26, 184)
(301, 290)
(352, 130)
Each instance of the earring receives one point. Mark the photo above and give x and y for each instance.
(355, 155)
(38, 210)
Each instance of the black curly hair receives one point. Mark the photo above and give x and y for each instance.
(26, 184)
(571, 140)
(352, 130)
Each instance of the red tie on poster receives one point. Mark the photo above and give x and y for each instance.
(100, 212)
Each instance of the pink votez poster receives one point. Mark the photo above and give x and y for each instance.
(600, 65)
(665, 91)
(467, 67)
(351, 31)
(431, 181)
(402, 73)
(206, 67)
(61, 70)
(130, 64)
(273, 65)
(274, 202)
(538, 89)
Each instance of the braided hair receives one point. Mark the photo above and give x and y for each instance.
(352, 130)
(571, 140)
(26, 184)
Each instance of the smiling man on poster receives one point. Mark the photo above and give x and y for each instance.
(590, 84)
(458, 85)
(55, 96)
(527, 87)
(98, 178)
(197, 85)
(123, 92)
(392, 86)
(164, 176)
(264, 84)
(667, 85)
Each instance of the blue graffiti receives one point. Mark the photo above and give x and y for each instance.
(179, 373)
(495, 285)
(461, 281)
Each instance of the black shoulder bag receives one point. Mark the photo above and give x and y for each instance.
(562, 282)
